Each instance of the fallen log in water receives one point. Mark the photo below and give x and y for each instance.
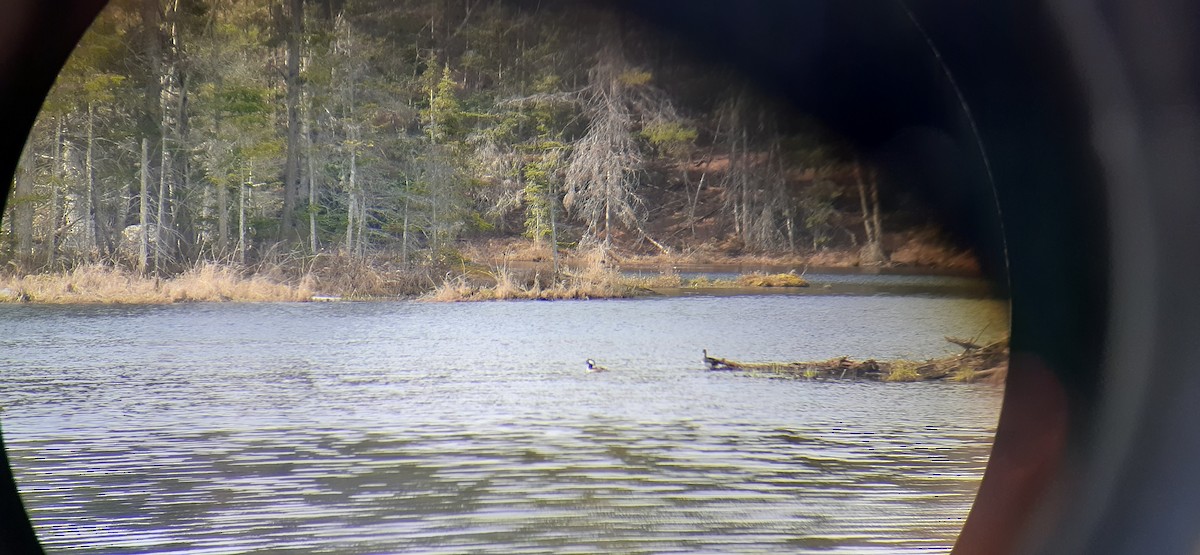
(984, 362)
(966, 344)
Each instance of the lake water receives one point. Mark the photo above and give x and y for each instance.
(472, 428)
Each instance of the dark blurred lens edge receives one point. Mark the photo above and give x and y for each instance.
(1134, 487)
(1104, 285)
(35, 39)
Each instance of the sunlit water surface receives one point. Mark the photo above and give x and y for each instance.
(472, 428)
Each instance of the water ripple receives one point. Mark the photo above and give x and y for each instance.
(223, 436)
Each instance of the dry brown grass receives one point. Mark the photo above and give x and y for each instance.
(451, 290)
(594, 280)
(926, 249)
(507, 286)
(668, 278)
(758, 279)
(348, 276)
(965, 374)
(500, 251)
(921, 248)
(212, 282)
(99, 284)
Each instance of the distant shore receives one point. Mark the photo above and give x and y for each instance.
(96, 284)
(495, 270)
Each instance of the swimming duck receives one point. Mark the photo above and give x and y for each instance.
(593, 367)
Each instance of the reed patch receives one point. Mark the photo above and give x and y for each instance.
(100, 284)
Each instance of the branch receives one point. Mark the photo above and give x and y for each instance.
(569, 96)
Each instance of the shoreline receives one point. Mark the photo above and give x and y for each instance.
(490, 270)
(913, 258)
(120, 288)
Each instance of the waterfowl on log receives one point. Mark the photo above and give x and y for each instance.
(593, 367)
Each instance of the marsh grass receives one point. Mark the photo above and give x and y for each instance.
(100, 284)
(363, 278)
(592, 278)
(595, 279)
(212, 282)
(451, 290)
(902, 371)
(668, 278)
(759, 279)
(965, 374)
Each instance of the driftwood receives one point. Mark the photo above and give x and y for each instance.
(967, 344)
(980, 362)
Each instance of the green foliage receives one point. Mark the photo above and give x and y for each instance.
(548, 83)
(102, 86)
(478, 223)
(242, 100)
(635, 77)
(670, 137)
(539, 196)
(460, 120)
(261, 150)
(902, 371)
(445, 114)
(816, 204)
(263, 225)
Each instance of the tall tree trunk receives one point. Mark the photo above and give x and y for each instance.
(291, 171)
(607, 217)
(310, 177)
(872, 252)
(434, 225)
(160, 220)
(362, 225)
(181, 216)
(94, 229)
(241, 246)
(144, 209)
(862, 197)
(745, 186)
(151, 113)
(167, 88)
(22, 208)
(312, 198)
(352, 205)
(791, 229)
(553, 230)
(404, 235)
(875, 208)
(58, 172)
(222, 249)
(186, 238)
(223, 219)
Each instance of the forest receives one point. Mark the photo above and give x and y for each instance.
(311, 137)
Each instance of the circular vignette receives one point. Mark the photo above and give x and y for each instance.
(1088, 115)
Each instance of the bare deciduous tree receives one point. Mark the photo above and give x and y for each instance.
(605, 166)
